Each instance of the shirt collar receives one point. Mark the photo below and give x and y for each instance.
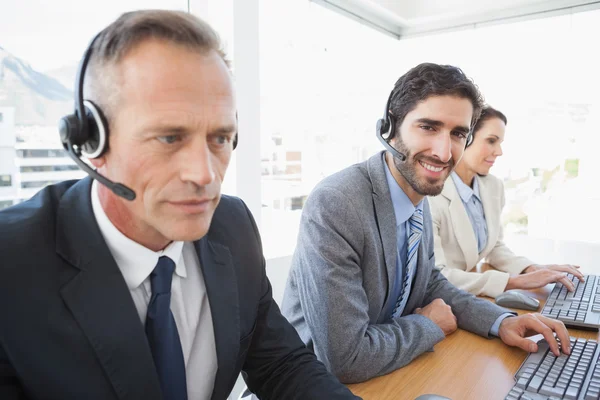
(465, 191)
(403, 207)
(135, 261)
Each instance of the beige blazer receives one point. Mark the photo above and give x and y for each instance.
(455, 244)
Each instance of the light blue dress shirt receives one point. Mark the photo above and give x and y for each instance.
(403, 210)
(474, 207)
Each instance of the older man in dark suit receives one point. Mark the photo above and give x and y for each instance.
(158, 289)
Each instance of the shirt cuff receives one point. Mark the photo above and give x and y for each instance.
(494, 329)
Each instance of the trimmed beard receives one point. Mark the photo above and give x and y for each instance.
(408, 169)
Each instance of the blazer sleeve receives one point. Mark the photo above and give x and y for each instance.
(278, 365)
(327, 268)
(501, 257)
(489, 283)
(10, 388)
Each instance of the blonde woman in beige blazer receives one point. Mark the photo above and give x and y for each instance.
(466, 223)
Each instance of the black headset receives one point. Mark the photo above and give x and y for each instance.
(387, 126)
(386, 129)
(471, 137)
(85, 132)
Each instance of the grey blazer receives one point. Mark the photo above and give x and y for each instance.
(342, 271)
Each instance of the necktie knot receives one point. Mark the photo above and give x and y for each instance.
(162, 276)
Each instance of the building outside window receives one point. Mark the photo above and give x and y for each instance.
(5, 180)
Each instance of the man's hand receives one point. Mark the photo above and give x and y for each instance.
(536, 276)
(441, 314)
(513, 331)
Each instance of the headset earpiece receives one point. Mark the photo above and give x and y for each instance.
(469, 139)
(70, 130)
(92, 139)
(385, 130)
(383, 127)
(386, 127)
(97, 131)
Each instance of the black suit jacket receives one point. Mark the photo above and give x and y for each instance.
(69, 328)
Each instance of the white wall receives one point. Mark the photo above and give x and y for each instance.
(277, 271)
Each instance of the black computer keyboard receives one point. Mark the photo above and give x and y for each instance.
(543, 376)
(579, 309)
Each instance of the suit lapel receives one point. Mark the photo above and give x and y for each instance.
(491, 213)
(461, 224)
(386, 219)
(100, 301)
(221, 287)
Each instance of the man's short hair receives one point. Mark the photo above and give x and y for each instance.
(428, 79)
(133, 28)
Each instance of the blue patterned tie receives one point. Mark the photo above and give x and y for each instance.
(416, 229)
(162, 334)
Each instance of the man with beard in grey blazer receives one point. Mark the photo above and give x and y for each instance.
(363, 292)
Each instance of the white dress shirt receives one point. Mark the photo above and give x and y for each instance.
(189, 301)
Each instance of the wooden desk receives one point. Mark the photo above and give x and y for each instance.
(463, 366)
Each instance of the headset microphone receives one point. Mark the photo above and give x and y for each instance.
(387, 126)
(117, 188)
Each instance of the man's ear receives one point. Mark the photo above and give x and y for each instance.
(98, 162)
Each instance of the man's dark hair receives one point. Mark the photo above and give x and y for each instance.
(488, 113)
(429, 79)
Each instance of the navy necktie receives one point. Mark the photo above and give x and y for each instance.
(162, 334)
